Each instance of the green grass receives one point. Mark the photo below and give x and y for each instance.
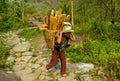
(30, 33)
(101, 53)
(4, 53)
(102, 46)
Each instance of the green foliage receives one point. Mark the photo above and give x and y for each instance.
(3, 6)
(4, 52)
(65, 6)
(114, 67)
(29, 34)
(98, 30)
(103, 53)
(11, 17)
(9, 22)
(77, 75)
(30, 9)
(114, 32)
(93, 49)
(85, 10)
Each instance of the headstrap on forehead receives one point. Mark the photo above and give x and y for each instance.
(67, 24)
(67, 29)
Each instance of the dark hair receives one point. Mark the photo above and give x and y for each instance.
(67, 37)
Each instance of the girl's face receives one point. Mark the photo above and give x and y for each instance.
(67, 34)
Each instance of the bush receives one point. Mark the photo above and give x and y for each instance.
(30, 9)
(9, 23)
(98, 30)
(4, 52)
(102, 53)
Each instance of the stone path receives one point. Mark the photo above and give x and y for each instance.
(29, 64)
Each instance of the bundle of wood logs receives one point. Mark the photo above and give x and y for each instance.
(54, 21)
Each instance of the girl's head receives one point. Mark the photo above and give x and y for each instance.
(67, 28)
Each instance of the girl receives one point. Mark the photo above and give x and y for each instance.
(61, 42)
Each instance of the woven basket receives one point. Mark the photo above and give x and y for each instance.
(49, 38)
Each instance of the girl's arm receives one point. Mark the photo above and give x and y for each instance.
(72, 37)
(59, 38)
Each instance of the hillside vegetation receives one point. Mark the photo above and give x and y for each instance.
(96, 21)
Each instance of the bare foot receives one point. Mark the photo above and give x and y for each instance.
(46, 70)
(64, 75)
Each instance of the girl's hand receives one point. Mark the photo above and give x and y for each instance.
(61, 32)
(72, 37)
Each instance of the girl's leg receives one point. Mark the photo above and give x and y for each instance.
(63, 63)
(53, 61)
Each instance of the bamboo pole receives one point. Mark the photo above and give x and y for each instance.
(14, 13)
(72, 12)
(14, 8)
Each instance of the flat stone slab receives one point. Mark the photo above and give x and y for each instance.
(4, 76)
(22, 47)
(12, 42)
(85, 67)
(27, 54)
(28, 74)
(80, 67)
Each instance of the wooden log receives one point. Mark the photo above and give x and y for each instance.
(53, 23)
(67, 19)
(43, 26)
